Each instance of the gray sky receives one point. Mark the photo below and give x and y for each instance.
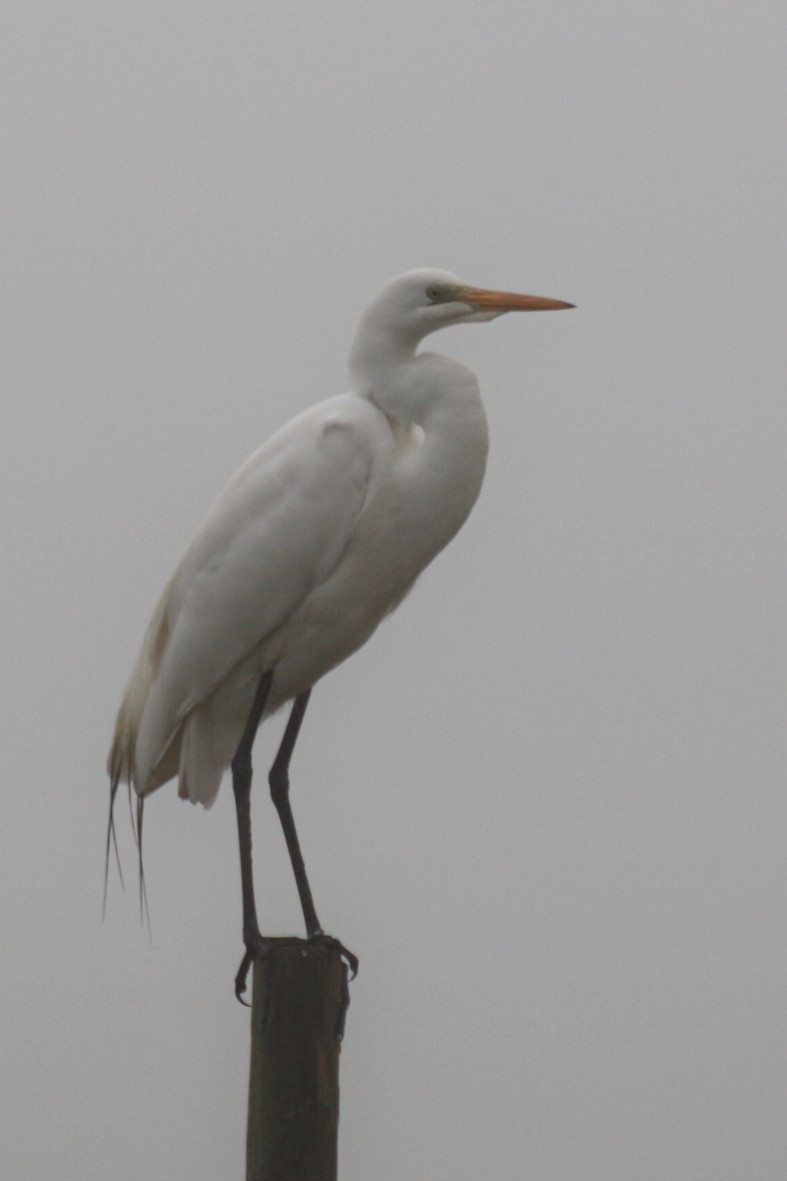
(546, 805)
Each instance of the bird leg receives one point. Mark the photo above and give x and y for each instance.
(256, 943)
(279, 780)
(241, 785)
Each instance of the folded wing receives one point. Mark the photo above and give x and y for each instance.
(277, 531)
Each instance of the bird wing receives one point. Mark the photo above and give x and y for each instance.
(276, 532)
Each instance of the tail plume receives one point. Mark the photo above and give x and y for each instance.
(137, 815)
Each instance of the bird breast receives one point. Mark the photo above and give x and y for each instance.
(422, 485)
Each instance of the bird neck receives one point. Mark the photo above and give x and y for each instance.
(436, 416)
(380, 354)
(407, 386)
(435, 411)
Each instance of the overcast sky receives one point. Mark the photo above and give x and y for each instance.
(547, 804)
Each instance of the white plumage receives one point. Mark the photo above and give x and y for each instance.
(320, 534)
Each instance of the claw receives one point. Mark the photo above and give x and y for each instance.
(242, 974)
(258, 947)
(329, 941)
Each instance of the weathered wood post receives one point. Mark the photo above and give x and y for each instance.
(298, 1006)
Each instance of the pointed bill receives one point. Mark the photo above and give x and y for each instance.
(507, 301)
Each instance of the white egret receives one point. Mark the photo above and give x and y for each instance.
(314, 541)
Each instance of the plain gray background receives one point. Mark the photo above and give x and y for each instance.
(546, 804)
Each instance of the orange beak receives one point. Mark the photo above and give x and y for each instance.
(506, 301)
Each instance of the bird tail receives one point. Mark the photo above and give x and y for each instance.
(112, 841)
(202, 757)
(137, 813)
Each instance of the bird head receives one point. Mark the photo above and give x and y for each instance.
(422, 301)
(419, 302)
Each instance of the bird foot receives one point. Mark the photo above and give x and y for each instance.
(351, 962)
(259, 947)
(321, 940)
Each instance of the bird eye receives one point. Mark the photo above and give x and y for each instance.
(437, 294)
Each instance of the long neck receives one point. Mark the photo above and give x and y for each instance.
(442, 473)
(409, 387)
(456, 439)
(378, 352)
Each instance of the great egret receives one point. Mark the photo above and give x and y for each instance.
(313, 542)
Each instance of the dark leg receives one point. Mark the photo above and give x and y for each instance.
(241, 784)
(279, 780)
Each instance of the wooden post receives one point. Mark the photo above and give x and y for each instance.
(298, 1006)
